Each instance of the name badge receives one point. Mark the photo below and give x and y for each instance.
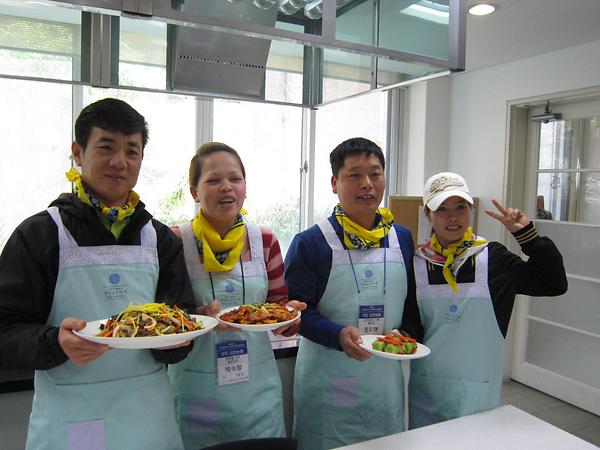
(232, 362)
(371, 319)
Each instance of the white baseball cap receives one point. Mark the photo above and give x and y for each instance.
(442, 186)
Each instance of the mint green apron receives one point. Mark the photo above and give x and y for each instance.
(122, 400)
(339, 400)
(209, 413)
(463, 374)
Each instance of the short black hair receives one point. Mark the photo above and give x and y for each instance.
(110, 114)
(350, 147)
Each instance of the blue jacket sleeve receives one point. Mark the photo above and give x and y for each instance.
(307, 268)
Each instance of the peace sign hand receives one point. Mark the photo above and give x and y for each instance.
(513, 219)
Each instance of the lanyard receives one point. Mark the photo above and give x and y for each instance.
(352, 264)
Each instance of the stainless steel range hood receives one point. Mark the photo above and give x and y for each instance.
(216, 62)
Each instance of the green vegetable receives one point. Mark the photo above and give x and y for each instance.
(379, 346)
(408, 347)
(391, 348)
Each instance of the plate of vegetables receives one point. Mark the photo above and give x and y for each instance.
(152, 325)
(394, 346)
(258, 316)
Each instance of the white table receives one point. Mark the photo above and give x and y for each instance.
(503, 428)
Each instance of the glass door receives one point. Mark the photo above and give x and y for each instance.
(558, 339)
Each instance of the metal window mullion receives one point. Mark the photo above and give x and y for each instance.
(312, 71)
(205, 116)
(100, 49)
(375, 41)
(395, 143)
(307, 182)
(76, 107)
(577, 127)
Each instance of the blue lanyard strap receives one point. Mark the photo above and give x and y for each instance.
(353, 271)
(352, 264)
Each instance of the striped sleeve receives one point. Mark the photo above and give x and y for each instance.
(526, 234)
(278, 292)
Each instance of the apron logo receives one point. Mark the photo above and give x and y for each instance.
(368, 273)
(114, 278)
(452, 315)
(230, 288)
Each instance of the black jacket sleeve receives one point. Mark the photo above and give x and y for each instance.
(543, 274)
(411, 319)
(173, 284)
(28, 269)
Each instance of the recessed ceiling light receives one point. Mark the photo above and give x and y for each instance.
(482, 9)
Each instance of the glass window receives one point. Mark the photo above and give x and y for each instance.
(268, 139)
(416, 27)
(345, 74)
(364, 116)
(354, 22)
(284, 74)
(569, 170)
(162, 184)
(419, 27)
(36, 148)
(143, 53)
(39, 40)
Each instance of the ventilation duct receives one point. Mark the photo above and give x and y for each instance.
(218, 62)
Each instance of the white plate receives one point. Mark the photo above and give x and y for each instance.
(262, 327)
(368, 339)
(93, 328)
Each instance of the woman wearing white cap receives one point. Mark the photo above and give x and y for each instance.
(466, 288)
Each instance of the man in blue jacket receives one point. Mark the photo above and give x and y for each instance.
(354, 271)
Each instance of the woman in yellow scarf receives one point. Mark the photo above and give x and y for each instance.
(466, 289)
(230, 262)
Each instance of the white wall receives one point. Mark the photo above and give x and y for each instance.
(428, 125)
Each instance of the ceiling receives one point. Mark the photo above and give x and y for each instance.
(524, 28)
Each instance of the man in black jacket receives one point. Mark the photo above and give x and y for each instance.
(86, 257)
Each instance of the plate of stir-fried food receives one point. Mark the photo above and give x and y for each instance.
(152, 325)
(394, 346)
(258, 316)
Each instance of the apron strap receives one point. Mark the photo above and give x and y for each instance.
(330, 235)
(65, 239)
(148, 235)
(255, 242)
(190, 251)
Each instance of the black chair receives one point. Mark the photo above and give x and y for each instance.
(256, 444)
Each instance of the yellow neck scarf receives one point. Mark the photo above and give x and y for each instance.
(220, 255)
(114, 213)
(453, 251)
(357, 237)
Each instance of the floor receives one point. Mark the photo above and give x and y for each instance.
(562, 415)
(15, 408)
